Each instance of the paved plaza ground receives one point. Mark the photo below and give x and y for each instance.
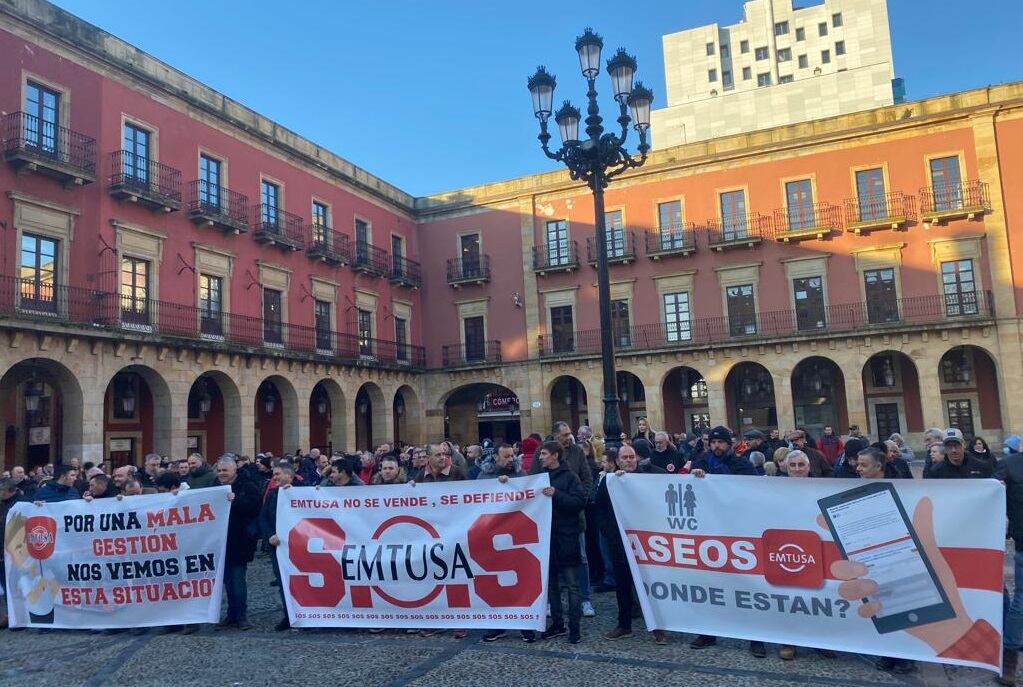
(340, 657)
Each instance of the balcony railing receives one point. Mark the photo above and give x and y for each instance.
(878, 211)
(370, 260)
(36, 301)
(473, 353)
(555, 257)
(468, 270)
(673, 239)
(405, 272)
(216, 206)
(32, 144)
(620, 245)
(737, 231)
(327, 245)
(967, 199)
(276, 227)
(851, 317)
(806, 221)
(140, 180)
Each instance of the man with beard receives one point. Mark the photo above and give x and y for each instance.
(665, 456)
(150, 471)
(22, 482)
(199, 473)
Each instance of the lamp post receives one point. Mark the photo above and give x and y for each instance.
(596, 160)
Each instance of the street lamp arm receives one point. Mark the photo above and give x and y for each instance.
(545, 139)
(623, 121)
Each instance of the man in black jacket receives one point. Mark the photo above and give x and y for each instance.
(283, 476)
(665, 456)
(241, 545)
(956, 463)
(1010, 471)
(627, 462)
(720, 459)
(569, 499)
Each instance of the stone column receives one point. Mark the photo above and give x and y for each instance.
(170, 419)
(783, 405)
(930, 393)
(716, 402)
(855, 399)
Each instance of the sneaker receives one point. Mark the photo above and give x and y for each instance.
(528, 636)
(703, 641)
(787, 652)
(659, 637)
(376, 630)
(574, 637)
(588, 610)
(618, 633)
(552, 632)
(429, 633)
(412, 631)
(757, 649)
(282, 626)
(493, 635)
(460, 634)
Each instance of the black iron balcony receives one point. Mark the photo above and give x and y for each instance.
(967, 199)
(621, 248)
(276, 227)
(405, 272)
(370, 260)
(468, 270)
(878, 211)
(35, 145)
(213, 205)
(738, 231)
(806, 221)
(674, 239)
(938, 309)
(481, 353)
(327, 245)
(555, 257)
(36, 299)
(137, 179)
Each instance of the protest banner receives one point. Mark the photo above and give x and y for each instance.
(136, 562)
(458, 555)
(788, 561)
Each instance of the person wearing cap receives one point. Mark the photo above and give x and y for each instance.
(956, 464)
(721, 460)
(1010, 472)
(754, 442)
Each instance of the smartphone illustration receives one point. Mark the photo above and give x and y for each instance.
(869, 525)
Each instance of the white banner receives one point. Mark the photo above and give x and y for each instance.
(906, 569)
(457, 555)
(138, 562)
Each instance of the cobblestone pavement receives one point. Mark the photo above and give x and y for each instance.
(264, 657)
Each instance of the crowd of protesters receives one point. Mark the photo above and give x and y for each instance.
(587, 553)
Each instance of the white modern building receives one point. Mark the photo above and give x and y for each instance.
(782, 64)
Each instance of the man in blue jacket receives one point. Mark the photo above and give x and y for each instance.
(720, 459)
(61, 487)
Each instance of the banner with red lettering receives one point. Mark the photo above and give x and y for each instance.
(136, 562)
(457, 555)
(905, 569)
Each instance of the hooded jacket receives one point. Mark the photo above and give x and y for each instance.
(728, 464)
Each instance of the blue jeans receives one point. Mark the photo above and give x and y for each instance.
(609, 570)
(1012, 637)
(237, 592)
(583, 572)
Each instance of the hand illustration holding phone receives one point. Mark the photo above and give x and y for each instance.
(956, 637)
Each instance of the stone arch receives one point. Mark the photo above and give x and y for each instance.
(891, 390)
(568, 401)
(57, 417)
(818, 395)
(684, 394)
(968, 380)
(218, 430)
(328, 413)
(370, 419)
(276, 415)
(631, 400)
(481, 410)
(407, 411)
(149, 427)
(750, 400)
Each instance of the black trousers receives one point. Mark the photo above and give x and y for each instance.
(623, 591)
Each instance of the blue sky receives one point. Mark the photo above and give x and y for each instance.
(431, 96)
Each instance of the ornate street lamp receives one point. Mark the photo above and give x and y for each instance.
(595, 160)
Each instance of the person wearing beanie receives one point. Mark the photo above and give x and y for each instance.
(720, 459)
(846, 466)
(1012, 444)
(530, 445)
(643, 449)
